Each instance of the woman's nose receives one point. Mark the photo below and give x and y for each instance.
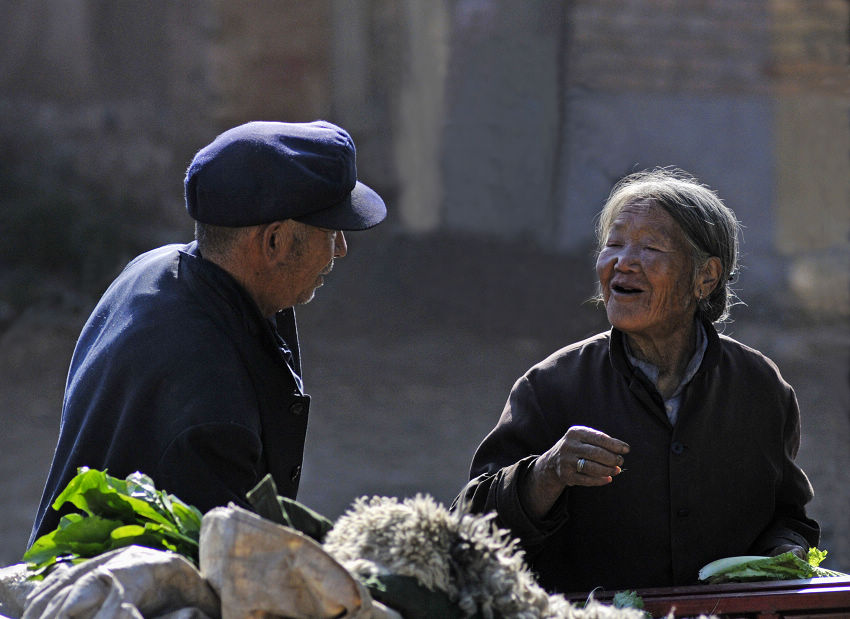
(626, 259)
(340, 246)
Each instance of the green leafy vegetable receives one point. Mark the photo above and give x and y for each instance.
(816, 556)
(628, 599)
(115, 513)
(786, 566)
(290, 513)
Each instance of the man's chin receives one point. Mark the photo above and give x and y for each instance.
(308, 296)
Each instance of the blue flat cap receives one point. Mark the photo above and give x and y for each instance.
(262, 172)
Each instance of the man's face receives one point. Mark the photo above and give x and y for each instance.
(303, 261)
(314, 251)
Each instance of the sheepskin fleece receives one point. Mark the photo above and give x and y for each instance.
(477, 564)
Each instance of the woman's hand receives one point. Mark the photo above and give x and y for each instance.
(801, 552)
(582, 457)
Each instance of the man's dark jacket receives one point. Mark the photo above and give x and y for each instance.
(178, 375)
(721, 482)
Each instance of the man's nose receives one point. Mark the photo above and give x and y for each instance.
(340, 246)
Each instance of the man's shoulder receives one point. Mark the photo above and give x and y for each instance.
(148, 305)
(159, 258)
(143, 274)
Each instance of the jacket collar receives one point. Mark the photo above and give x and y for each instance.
(220, 284)
(238, 310)
(619, 359)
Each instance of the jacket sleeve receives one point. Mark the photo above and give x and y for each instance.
(501, 463)
(211, 465)
(208, 429)
(790, 525)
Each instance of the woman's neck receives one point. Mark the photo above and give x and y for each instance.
(669, 353)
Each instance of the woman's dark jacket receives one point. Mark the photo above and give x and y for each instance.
(721, 482)
(177, 374)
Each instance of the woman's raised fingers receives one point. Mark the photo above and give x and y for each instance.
(593, 436)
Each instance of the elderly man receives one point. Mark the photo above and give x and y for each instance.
(188, 369)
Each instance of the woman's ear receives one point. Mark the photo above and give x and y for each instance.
(708, 277)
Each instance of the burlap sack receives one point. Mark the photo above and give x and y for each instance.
(15, 586)
(129, 583)
(262, 569)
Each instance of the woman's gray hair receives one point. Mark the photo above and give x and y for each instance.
(709, 225)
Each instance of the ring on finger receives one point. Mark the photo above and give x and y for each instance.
(580, 465)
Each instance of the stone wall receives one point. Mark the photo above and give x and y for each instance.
(491, 118)
(270, 60)
(551, 103)
(811, 74)
(101, 106)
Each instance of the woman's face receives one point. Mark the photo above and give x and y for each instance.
(646, 272)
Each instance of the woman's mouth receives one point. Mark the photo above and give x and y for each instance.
(623, 289)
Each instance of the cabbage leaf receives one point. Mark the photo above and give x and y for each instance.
(786, 566)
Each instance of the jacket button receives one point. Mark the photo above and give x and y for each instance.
(298, 408)
(295, 473)
(677, 448)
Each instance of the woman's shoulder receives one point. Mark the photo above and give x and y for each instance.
(746, 359)
(583, 351)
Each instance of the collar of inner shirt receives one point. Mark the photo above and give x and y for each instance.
(671, 404)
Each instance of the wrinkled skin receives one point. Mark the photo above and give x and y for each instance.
(281, 264)
(646, 277)
(296, 274)
(557, 468)
(650, 293)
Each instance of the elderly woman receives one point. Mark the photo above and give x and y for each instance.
(633, 458)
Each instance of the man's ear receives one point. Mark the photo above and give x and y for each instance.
(275, 239)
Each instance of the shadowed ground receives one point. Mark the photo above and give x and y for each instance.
(410, 350)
